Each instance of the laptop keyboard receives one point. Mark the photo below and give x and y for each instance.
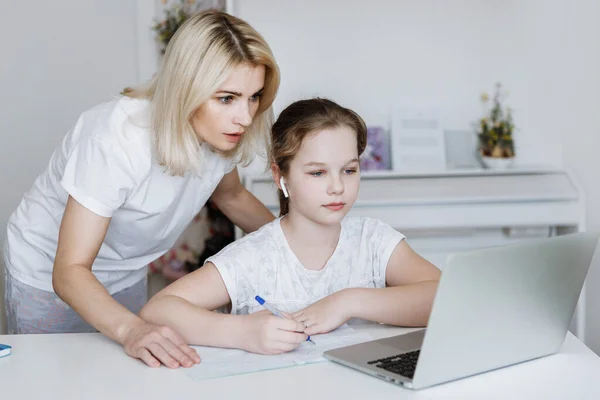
(402, 364)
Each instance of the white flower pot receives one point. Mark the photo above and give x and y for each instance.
(497, 162)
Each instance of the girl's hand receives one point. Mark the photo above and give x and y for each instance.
(265, 333)
(323, 316)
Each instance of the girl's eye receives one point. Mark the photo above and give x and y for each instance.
(316, 173)
(226, 99)
(256, 97)
(350, 171)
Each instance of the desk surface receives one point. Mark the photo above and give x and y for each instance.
(89, 366)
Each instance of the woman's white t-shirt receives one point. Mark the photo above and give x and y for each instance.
(263, 264)
(106, 163)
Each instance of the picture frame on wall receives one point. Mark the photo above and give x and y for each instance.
(461, 149)
(377, 154)
(417, 140)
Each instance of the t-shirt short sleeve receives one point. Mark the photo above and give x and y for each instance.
(235, 264)
(382, 240)
(98, 175)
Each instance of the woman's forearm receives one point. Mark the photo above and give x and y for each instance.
(198, 326)
(246, 211)
(77, 286)
(407, 305)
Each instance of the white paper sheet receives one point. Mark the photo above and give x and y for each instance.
(217, 362)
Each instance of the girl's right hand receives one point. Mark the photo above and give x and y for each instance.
(156, 345)
(265, 333)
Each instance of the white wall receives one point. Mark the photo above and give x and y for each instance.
(579, 124)
(69, 55)
(377, 54)
(58, 58)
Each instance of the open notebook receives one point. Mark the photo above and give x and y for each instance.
(217, 362)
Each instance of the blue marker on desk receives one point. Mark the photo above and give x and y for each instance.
(274, 311)
(4, 350)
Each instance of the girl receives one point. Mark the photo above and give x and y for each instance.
(129, 177)
(314, 263)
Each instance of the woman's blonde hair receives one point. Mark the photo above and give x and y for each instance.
(201, 55)
(302, 119)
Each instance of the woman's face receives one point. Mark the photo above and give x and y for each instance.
(223, 119)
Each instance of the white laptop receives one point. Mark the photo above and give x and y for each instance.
(493, 308)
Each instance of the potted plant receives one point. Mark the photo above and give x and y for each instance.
(176, 12)
(495, 132)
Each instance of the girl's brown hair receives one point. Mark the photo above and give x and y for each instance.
(303, 118)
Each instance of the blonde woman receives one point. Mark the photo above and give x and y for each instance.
(127, 180)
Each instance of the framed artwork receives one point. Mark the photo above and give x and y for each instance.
(461, 149)
(417, 140)
(377, 153)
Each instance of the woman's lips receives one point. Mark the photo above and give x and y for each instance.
(233, 137)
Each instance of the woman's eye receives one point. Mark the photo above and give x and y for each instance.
(317, 173)
(226, 99)
(256, 97)
(350, 171)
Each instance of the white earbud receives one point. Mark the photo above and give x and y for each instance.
(283, 188)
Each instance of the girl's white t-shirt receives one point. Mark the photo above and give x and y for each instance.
(106, 163)
(263, 264)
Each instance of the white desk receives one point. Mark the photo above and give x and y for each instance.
(89, 366)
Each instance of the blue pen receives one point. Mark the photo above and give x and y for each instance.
(275, 312)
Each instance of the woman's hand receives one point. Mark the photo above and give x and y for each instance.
(265, 333)
(155, 344)
(325, 315)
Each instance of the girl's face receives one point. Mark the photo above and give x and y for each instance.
(324, 176)
(222, 120)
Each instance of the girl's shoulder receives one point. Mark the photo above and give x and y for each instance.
(260, 240)
(364, 230)
(243, 252)
(363, 225)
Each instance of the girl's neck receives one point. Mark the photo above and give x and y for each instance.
(306, 232)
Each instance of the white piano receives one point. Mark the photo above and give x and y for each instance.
(459, 210)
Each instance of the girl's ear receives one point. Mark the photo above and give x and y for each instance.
(278, 178)
(275, 172)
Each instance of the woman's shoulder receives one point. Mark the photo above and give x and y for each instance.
(116, 131)
(120, 119)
